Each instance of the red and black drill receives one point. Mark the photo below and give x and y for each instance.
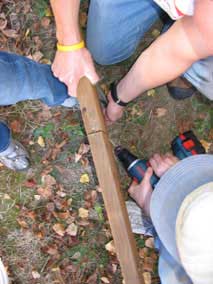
(183, 146)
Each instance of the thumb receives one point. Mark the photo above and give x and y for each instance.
(92, 76)
(72, 89)
(148, 175)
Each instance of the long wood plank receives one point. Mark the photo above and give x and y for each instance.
(109, 181)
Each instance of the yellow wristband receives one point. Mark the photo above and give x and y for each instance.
(67, 48)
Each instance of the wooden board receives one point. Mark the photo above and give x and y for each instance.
(109, 182)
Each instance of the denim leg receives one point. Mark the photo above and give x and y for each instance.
(115, 27)
(5, 135)
(24, 79)
(170, 272)
(200, 75)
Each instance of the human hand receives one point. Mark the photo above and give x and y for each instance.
(161, 163)
(113, 111)
(142, 192)
(70, 67)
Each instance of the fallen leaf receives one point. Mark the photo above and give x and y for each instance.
(59, 229)
(63, 215)
(6, 196)
(37, 197)
(148, 264)
(48, 12)
(83, 213)
(110, 247)
(76, 255)
(45, 22)
(52, 250)
(160, 111)
(30, 183)
(22, 223)
(3, 21)
(48, 180)
(72, 230)
(147, 278)
(44, 192)
(105, 280)
(10, 33)
(16, 126)
(37, 56)
(84, 178)
(83, 19)
(151, 93)
(35, 274)
(155, 33)
(149, 243)
(41, 142)
(83, 149)
(206, 145)
(92, 279)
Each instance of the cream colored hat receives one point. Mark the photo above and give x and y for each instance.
(3, 274)
(194, 234)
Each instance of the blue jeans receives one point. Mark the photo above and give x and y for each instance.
(115, 28)
(23, 79)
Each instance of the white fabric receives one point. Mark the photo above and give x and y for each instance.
(3, 274)
(194, 234)
(170, 7)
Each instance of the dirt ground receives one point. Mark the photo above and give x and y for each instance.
(53, 223)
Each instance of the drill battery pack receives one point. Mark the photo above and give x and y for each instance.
(186, 145)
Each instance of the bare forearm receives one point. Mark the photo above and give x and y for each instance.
(67, 20)
(167, 58)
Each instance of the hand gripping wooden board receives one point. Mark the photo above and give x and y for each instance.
(108, 177)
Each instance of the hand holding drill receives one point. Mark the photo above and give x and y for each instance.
(183, 146)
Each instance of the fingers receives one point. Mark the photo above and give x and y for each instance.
(161, 163)
(147, 176)
(92, 76)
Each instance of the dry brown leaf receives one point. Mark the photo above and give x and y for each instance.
(160, 111)
(83, 149)
(149, 243)
(45, 22)
(16, 126)
(110, 247)
(22, 223)
(35, 274)
(44, 192)
(92, 279)
(105, 280)
(148, 264)
(83, 213)
(72, 230)
(59, 229)
(10, 33)
(83, 19)
(48, 180)
(41, 142)
(52, 250)
(3, 21)
(147, 278)
(63, 215)
(206, 145)
(37, 56)
(77, 157)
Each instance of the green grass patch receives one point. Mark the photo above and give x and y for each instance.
(40, 7)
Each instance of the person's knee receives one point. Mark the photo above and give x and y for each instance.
(99, 35)
(106, 37)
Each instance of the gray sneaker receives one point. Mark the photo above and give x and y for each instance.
(15, 157)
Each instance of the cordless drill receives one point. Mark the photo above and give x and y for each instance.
(183, 146)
